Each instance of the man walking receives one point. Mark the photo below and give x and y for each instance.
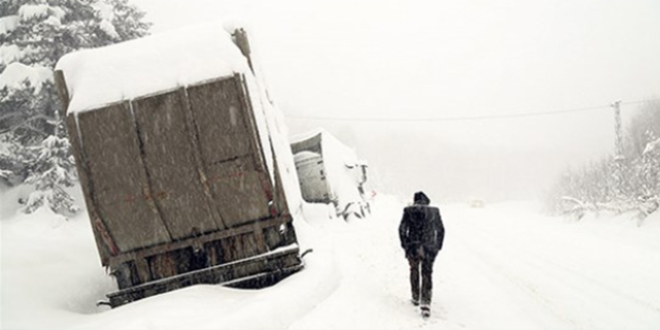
(421, 232)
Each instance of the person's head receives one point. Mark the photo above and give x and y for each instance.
(421, 198)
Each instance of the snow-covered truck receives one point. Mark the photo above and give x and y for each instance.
(331, 173)
(179, 162)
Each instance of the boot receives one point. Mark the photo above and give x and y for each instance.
(426, 311)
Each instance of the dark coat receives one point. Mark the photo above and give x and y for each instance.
(421, 226)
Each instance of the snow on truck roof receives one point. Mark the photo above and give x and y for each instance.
(331, 146)
(159, 62)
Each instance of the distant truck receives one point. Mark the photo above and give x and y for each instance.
(330, 172)
(178, 164)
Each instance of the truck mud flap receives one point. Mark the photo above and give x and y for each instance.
(254, 272)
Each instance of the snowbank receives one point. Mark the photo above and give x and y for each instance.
(148, 65)
(51, 279)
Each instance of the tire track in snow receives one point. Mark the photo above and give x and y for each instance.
(542, 260)
(529, 290)
(550, 283)
(590, 279)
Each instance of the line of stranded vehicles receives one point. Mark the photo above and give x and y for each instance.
(187, 175)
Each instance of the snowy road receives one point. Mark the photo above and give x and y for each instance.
(503, 267)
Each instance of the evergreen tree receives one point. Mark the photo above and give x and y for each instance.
(53, 170)
(34, 34)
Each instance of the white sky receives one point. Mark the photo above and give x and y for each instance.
(421, 59)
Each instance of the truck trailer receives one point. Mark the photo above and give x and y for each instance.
(178, 162)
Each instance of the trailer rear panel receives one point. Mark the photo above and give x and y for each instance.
(178, 191)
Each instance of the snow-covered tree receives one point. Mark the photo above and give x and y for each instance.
(596, 186)
(54, 169)
(649, 172)
(642, 128)
(643, 137)
(34, 34)
(15, 159)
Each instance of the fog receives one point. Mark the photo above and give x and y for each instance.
(394, 78)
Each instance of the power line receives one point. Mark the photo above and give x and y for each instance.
(463, 118)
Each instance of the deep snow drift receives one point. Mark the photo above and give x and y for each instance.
(503, 266)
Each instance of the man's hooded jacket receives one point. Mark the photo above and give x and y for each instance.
(421, 226)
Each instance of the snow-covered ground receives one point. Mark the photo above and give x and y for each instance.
(503, 266)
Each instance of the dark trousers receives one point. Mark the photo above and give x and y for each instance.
(421, 260)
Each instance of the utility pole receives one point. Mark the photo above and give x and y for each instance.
(618, 149)
(618, 143)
